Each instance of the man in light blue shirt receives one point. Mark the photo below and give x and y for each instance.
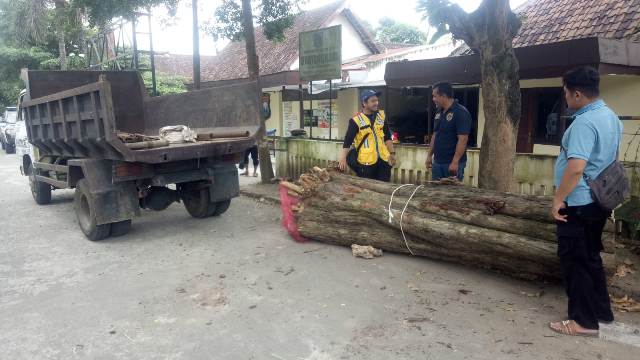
(589, 146)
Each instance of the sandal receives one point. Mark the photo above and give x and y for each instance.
(570, 327)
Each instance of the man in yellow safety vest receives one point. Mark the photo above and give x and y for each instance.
(370, 135)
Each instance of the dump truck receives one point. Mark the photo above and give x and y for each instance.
(97, 132)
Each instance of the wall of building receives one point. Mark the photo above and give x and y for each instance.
(275, 121)
(345, 105)
(620, 92)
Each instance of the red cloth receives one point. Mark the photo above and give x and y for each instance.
(288, 220)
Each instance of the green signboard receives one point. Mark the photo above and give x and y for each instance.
(321, 54)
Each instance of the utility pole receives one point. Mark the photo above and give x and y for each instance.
(196, 46)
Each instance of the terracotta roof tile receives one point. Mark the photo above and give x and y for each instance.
(547, 21)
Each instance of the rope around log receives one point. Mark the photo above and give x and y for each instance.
(406, 243)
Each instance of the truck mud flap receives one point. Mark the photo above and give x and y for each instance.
(225, 183)
(115, 202)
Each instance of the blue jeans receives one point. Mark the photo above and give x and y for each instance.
(439, 171)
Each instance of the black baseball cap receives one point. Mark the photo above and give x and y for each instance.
(366, 94)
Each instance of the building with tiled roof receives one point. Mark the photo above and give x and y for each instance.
(276, 57)
(548, 21)
(551, 21)
(555, 36)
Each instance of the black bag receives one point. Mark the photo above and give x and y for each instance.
(352, 155)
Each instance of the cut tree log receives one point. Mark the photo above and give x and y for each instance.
(510, 233)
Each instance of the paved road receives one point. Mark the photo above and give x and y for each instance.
(236, 287)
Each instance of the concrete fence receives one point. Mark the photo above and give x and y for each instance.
(533, 173)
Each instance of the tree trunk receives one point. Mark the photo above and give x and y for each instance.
(82, 38)
(501, 96)
(253, 66)
(60, 16)
(505, 232)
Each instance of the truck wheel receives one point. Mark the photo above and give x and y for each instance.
(221, 207)
(10, 149)
(40, 191)
(120, 228)
(86, 214)
(196, 200)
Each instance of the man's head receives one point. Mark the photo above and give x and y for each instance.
(581, 86)
(442, 94)
(369, 100)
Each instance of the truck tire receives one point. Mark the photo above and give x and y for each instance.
(221, 207)
(198, 203)
(120, 228)
(40, 191)
(85, 212)
(10, 149)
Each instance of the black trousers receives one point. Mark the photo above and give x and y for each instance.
(253, 151)
(381, 170)
(579, 247)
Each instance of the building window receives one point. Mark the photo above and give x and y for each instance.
(543, 119)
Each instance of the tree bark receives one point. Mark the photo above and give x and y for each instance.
(501, 94)
(253, 67)
(60, 16)
(505, 232)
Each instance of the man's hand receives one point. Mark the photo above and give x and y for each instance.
(453, 168)
(555, 210)
(429, 162)
(392, 160)
(342, 163)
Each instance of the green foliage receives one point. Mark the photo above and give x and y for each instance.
(275, 16)
(391, 31)
(166, 84)
(12, 60)
(102, 11)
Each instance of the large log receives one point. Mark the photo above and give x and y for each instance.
(509, 233)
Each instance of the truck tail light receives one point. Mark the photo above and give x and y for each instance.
(128, 170)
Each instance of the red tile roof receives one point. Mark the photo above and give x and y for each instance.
(547, 21)
(550, 21)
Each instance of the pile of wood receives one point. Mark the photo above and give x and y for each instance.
(512, 234)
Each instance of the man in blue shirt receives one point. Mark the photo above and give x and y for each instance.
(589, 146)
(448, 150)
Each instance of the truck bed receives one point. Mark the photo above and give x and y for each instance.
(78, 114)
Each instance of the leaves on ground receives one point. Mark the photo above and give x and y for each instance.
(625, 304)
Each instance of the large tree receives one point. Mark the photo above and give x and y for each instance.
(102, 11)
(391, 31)
(489, 31)
(234, 20)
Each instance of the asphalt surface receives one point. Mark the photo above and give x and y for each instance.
(237, 287)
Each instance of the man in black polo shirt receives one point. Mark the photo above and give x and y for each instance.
(448, 151)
